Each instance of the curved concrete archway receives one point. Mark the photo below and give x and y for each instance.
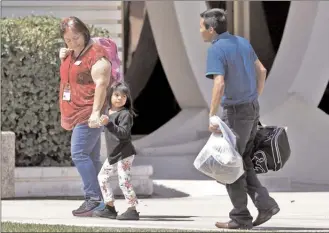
(143, 61)
(293, 90)
(185, 127)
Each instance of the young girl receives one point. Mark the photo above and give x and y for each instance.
(118, 122)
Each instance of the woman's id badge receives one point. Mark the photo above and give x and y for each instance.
(67, 93)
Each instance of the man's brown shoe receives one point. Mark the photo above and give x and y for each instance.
(264, 216)
(232, 225)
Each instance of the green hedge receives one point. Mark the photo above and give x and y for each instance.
(29, 89)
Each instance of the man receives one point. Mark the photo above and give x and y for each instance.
(239, 79)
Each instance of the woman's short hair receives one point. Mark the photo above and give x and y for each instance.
(76, 25)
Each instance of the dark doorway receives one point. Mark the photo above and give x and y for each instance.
(156, 104)
(217, 4)
(324, 103)
(276, 14)
(276, 23)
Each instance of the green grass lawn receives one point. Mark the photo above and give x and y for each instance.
(22, 227)
(27, 227)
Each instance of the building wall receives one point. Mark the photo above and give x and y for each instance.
(106, 14)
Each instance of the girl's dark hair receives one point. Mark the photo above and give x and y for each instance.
(123, 88)
(77, 25)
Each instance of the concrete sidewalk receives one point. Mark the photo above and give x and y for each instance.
(299, 212)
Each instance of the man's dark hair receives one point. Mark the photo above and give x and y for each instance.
(215, 18)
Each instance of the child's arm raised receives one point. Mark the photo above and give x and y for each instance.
(122, 130)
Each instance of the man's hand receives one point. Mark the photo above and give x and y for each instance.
(63, 53)
(214, 128)
(94, 120)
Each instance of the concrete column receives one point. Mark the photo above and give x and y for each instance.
(241, 18)
(230, 16)
(7, 164)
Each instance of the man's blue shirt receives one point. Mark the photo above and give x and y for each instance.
(234, 58)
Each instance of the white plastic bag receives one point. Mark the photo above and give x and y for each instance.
(218, 158)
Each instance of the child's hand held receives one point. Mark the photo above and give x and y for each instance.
(104, 120)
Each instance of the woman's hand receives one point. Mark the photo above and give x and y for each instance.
(63, 52)
(94, 120)
(104, 120)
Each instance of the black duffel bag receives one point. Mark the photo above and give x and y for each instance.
(271, 149)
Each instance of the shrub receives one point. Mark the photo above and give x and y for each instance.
(29, 89)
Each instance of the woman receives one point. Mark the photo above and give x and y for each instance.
(85, 73)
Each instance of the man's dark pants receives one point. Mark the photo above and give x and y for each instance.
(243, 120)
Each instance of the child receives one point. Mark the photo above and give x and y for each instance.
(118, 122)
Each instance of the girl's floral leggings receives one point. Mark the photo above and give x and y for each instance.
(123, 168)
